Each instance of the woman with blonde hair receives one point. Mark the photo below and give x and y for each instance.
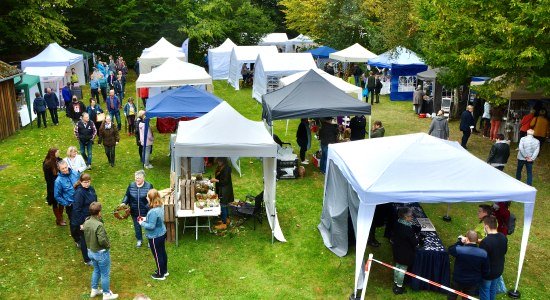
(155, 230)
(74, 160)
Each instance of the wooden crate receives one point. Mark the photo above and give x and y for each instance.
(187, 194)
(170, 231)
(169, 213)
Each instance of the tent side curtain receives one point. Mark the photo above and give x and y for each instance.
(400, 74)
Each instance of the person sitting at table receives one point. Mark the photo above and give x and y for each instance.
(471, 265)
(483, 211)
(224, 189)
(404, 243)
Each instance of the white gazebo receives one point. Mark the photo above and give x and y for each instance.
(299, 41)
(245, 55)
(219, 59)
(174, 72)
(155, 55)
(223, 132)
(353, 53)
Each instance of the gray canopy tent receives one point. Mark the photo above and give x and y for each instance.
(311, 96)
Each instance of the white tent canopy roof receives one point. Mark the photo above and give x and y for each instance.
(219, 60)
(47, 72)
(449, 174)
(346, 87)
(53, 55)
(162, 44)
(353, 53)
(174, 72)
(274, 39)
(226, 46)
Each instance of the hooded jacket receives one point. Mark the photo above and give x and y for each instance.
(64, 187)
(83, 197)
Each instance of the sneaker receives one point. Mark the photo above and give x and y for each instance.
(109, 295)
(149, 166)
(305, 162)
(157, 276)
(166, 274)
(77, 245)
(89, 263)
(138, 244)
(95, 293)
(89, 167)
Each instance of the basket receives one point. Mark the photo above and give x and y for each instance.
(122, 212)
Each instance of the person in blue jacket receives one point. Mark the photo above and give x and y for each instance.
(67, 95)
(39, 106)
(467, 124)
(136, 198)
(64, 193)
(52, 102)
(94, 88)
(84, 195)
(155, 230)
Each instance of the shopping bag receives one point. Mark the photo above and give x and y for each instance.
(365, 92)
(100, 117)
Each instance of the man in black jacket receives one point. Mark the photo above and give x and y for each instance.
(466, 125)
(500, 152)
(358, 127)
(52, 102)
(404, 242)
(328, 134)
(496, 245)
(377, 89)
(85, 132)
(39, 107)
(75, 109)
(371, 85)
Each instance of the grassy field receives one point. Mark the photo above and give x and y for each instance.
(38, 259)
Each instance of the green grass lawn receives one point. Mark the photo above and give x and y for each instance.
(38, 259)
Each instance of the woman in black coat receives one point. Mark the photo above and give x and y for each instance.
(303, 138)
(84, 195)
(224, 189)
(49, 167)
(404, 243)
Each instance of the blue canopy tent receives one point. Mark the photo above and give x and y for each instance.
(321, 52)
(404, 65)
(185, 101)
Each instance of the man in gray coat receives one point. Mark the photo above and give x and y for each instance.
(529, 148)
(439, 126)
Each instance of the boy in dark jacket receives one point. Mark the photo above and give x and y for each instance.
(404, 243)
(39, 106)
(471, 264)
(500, 152)
(75, 109)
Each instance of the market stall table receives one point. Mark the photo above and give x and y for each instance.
(198, 212)
(432, 259)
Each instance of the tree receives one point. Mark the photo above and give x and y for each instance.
(491, 37)
(27, 23)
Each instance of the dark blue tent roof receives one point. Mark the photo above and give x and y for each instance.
(321, 52)
(185, 101)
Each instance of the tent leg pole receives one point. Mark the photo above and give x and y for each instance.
(370, 123)
(286, 131)
(514, 294)
(446, 217)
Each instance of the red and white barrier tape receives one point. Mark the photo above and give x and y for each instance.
(367, 265)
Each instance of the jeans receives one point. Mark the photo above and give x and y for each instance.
(137, 228)
(110, 152)
(399, 277)
(465, 136)
(357, 80)
(147, 154)
(225, 212)
(466, 289)
(115, 114)
(83, 247)
(86, 151)
(103, 94)
(41, 115)
(101, 261)
(53, 114)
(324, 154)
(529, 166)
(95, 95)
(158, 249)
(488, 289)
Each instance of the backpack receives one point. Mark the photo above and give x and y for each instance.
(511, 224)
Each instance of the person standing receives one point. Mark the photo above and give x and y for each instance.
(540, 126)
(529, 148)
(39, 107)
(74, 160)
(75, 109)
(117, 85)
(357, 74)
(496, 119)
(103, 86)
(74, 77)
(371, 85)
(328, 134)
(93, 110)
(378, 130)
(108, 134)
(85, 132)
(471, 265)
(155, 230)
(146, 140)
(130, 114)
(94, 88)
(466, 125)
(377, 89)
(67, 95)
(99, 252)
(486, 119)
(483, 211)
(478, 111)
(113, 106)
(358, 127)
(64, 193)
(224, 189)
(303, 138)
(139, 120)
(418, 97)
(84, 195)
(500, 152)
(111, 80)
(439, 126)
(496, 246)
(136, 198)
(404, 242)
(52, 102)
(49, 167)
(121, 76)
(525, 123)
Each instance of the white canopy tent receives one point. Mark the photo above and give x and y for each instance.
(219, 59)
(276, 39)
(346, 87)
(299, 41)
(357, 181)
(244, 55)
(162, 44)
(270, 68)
(353, 53)
(50, 77)
(56, 56)
(174, 72)
(223, 132)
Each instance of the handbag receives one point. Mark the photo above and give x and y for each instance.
(365, 92)
(100, 117)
